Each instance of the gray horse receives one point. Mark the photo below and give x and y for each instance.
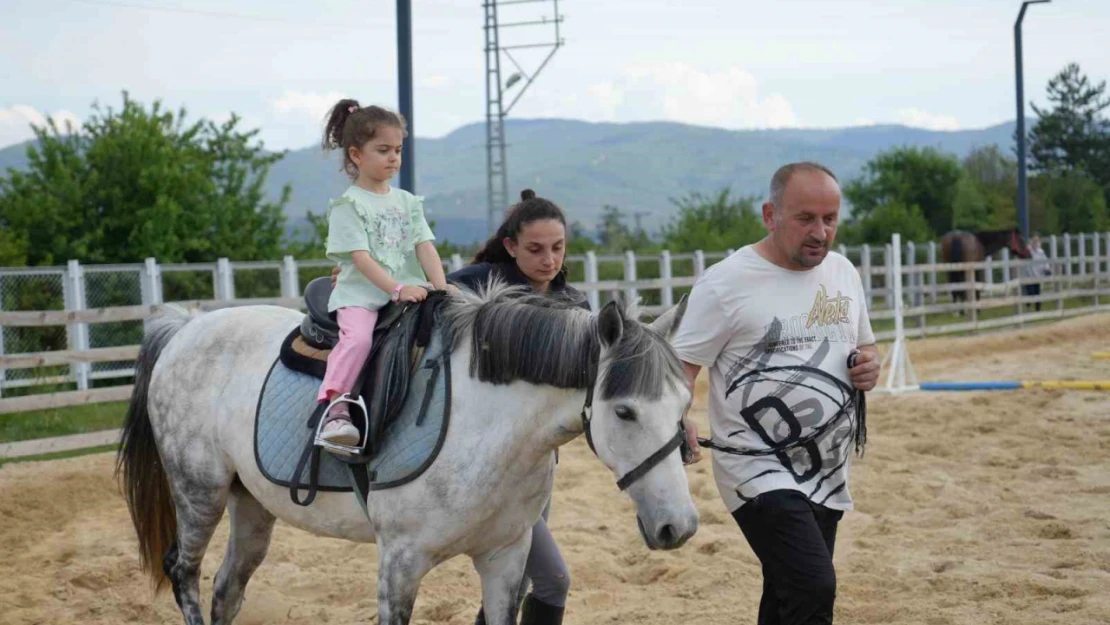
(524, 367)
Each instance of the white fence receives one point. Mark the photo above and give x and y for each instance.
(79, 325)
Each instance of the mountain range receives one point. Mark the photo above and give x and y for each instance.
(582, 166)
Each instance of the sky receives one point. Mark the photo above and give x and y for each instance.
(280, 64)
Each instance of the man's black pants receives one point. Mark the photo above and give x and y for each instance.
(793, 539)
(1032, 290)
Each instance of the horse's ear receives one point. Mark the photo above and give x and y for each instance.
(667, 323)
(610, 324)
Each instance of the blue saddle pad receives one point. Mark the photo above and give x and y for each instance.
(412, 439)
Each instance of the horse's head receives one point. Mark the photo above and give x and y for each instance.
(639, 399)
(1017, 244)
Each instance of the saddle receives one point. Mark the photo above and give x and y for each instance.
(401, 336)
(320, 329)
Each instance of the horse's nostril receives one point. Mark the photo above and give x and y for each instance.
(667, 535)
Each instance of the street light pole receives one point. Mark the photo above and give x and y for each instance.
(1023, 200)
(404, 93)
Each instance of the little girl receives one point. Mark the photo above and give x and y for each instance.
(381, 241)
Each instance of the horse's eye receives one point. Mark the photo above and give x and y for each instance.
(625, 412)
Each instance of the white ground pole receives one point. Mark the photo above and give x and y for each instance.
(900, 376)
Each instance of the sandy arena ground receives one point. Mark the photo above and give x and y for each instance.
(972, 508)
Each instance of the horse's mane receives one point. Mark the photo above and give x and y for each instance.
(518, 335)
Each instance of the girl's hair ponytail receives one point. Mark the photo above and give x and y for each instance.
(530, 208)
(337, 120)
(350, 125)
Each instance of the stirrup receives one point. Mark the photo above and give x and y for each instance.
(336, 448)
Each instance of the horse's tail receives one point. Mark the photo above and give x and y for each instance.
(957, 256)
(143, 480)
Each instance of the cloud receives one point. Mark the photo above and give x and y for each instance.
(305, 104)
(675, 91)
(608, 97)
(16, 122)
(924, 119)
(433, 81)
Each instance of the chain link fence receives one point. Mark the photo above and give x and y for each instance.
(188, 282)
(32, 289)
(108, 286)
(257, 279)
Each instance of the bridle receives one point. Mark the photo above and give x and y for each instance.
(676, 441)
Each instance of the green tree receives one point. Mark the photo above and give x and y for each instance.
(579, 238)
(986, 191)
(885, 220)
(969, 207)
(13, 248)
(713, 223)
(908, 176)
(142, 182)
(309, 239)
(1067, 201)
(1073, 134)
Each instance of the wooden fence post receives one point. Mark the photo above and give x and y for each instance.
(630, 275)
(1057, 271)
(290, 277)
(3, 371)
(1068, 269)
(77, 334)
(666, 295)
(591, 278)
(150, 282)
(932, 260)
(888, 263)
(865, 271)
(1096, 266)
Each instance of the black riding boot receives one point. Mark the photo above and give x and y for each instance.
(536, 612)
(481, 620)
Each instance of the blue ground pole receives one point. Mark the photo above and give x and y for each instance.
(970, 386)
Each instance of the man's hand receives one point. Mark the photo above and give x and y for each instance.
(865, 375)
(691, 427)
(691, 440)
(334, 276)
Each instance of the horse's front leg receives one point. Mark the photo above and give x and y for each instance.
(501, 570)
(400, 569)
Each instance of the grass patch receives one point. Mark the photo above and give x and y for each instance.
(58, 455)
(22, 426)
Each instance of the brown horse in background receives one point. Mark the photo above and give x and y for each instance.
(960, 246)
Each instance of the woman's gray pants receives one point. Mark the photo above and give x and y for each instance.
(546, 569)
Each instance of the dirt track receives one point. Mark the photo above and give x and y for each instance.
(972, 508)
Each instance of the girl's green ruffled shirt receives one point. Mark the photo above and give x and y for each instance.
(387, 225)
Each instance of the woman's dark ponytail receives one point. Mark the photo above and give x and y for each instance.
(530, 208)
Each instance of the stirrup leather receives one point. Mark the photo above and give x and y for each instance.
(346, 450)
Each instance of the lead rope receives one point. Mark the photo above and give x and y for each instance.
(861, 410)
(859, 398)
